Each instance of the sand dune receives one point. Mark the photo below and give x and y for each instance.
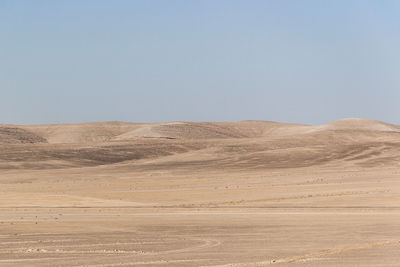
(109, 131)
(248, 193)
(248, 144)
(10, 134)
(359, 125)
(79, 133)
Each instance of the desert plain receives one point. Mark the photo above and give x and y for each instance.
(232, 194)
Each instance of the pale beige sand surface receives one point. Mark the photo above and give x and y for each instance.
(248, 193)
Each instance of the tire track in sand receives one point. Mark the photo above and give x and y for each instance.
(310, 256)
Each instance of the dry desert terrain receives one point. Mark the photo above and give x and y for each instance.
(249, 193)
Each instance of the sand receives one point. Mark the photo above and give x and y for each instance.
(248, 193)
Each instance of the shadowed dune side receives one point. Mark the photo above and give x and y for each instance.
(66, 155)
(15, 135)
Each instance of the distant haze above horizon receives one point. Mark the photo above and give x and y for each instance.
(308, 62)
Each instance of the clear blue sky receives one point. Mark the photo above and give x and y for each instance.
(144, 61)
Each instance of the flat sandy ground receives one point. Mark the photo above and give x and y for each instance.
(317, 198)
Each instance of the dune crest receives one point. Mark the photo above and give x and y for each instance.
(360, 124)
